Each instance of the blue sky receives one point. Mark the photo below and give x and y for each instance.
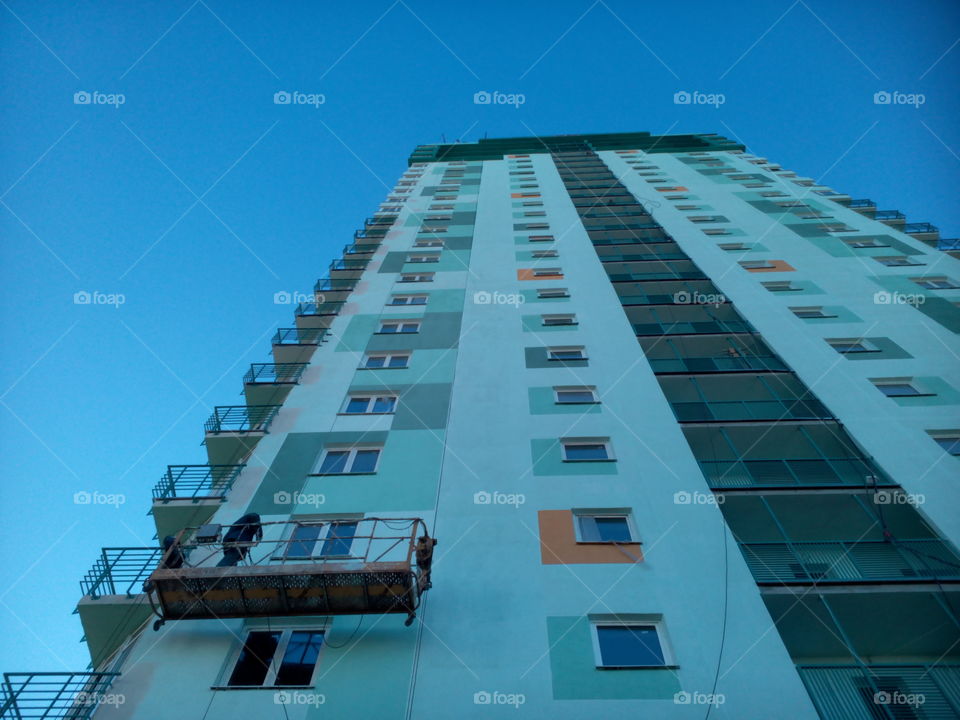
(198, 198)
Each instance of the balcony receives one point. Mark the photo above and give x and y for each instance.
(355, 250)
(380, 221)
(112, 606)
(190, 494)
(233, 431)
(270, 383)
(749, 410)
(348, 268)
(370, 236)
(296, 345)
(893, 218)
(870, 561)
(681, 269)
(863, 205)
(333, 289)
(883, 692)
(330, 567)
(924, 232)
(787, 472)
(55, 696)
(317, 315)
(710, 354)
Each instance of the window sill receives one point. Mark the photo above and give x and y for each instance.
(384, 368)
(319, 474)
(348, 414)
(578, 402)
(638, 667)
(592, 460)
(274, 688)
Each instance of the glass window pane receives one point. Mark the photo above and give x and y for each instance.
(376, 361)
(629, 645)
(255, 659)
(575, 396)
(409, 327)
(303, 540)
(357, 405)
(592, 451)
(418, 300)
(339, 539)
(613, 529)
(365, 461)
(335, 461)
(300, 658)
(950, 444)
(388, 328)
(384, 404)
(398, 361)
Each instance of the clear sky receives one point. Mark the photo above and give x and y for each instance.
(198, 198)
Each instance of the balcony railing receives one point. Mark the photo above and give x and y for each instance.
(349, 264)
(693, 328)
(920, 228)
(241, 418)
(120, 571)
(274, 373)
(325, 285)
(330, 307)
(380, 221)
(861, 203)
(884, 692)
(371, 233)
(299, 336)
(354, 249)
(889, 215)
(725, 363)
(734, 410)
(198, 482)
(56, 696)
(843, 562)
(790, 472)
(949, 244)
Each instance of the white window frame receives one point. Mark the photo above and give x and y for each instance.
(605, 441)
(938, 279)
(409, 300)
(548, 293)
(387, 356)
(656, 621)
(428, 243)
(566, 348)
(863, 342)
(551, 253)
(909, 382)
(892, 261)
(416, 277)
(541, 238)
(399, 324)
(557, 389)
(733, 246)
(423, 258)
(624, 513)
(809, 308)
(547, 272)
(351, 459)
(716, 231)
(371, 399)
(286, 631)
(558, 319)
(780, 286)
(757, 264)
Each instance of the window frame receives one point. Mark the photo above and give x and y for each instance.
(604, 441)
(352, 452)
(371, 399)
(592, 389)
(387, 357)
(624, 513)
(552, 293)
(400, 325)
(409, 297)
(558, 320)
(552, 349)
(423, 277)
(275, 661)
(656, 622)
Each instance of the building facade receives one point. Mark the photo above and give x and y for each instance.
(683, 426)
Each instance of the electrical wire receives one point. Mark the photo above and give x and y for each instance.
(347, 641)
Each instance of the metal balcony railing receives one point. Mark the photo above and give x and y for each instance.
(299, 336)
(329, 307)
(325, 285)
(734, 410)
(884, 692)
(919, 228)
(349, 264)
(274, 373)
(889, 215)
(777, 472)
(354, 249)
(198, 482)
(842, 562)
(861, 203)
(120, 571)
(56, 696)
(949, 244)
(240, 418)
(380, 221)
(370, 234)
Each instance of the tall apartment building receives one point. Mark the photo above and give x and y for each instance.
(682, 424)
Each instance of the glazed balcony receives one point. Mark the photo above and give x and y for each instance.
(270, 383)
(233, 431)
(872, 561)
(380, 220)
(335, 289)
(624, 235)
(358, 251)
(665, 292)
(787, 472)
(296, 345)
(348, 268)
(190, 494)
(893, 218)
(683, 319)
(710, 354)
(317, 315)
(864, 206)
(884, 692)
(56, 696)
(924, 232)
(642, 271)
(345, 566)
(634, 253)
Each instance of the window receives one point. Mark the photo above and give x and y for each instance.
(936, 283)
(949, 440)
(541, 238)
(703, 218)
(277, 658)
(810, 312)
(337, 538)
(773, 193)
(622, 644)
(566, 353)
(565, 319)
(897, 387)
(432, 258)
(896, 261)
(716, 231)
(438, 218)
(344, 461)
(552, 293)
(435, 208)
(535, 213)
(547, 272)
(545, 253)
(386, 360)
(408, 300)
(688, 207)
(576, 394)
(864, 243)
(428, 243)
(370, 405)
(390, 327)
(757, 265)
(416, 277)
(846, 346)
(586, 449)
(780, 286)
(603, 527)
(732, 246)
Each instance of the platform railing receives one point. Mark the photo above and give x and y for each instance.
(196, 482)
(56, 696)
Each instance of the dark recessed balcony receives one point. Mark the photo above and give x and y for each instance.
(233, 431)
(884, 691)
(55, 696)
(865, 561)
(790, 473)
(270, 383)
(750, 410)
(296, 345)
